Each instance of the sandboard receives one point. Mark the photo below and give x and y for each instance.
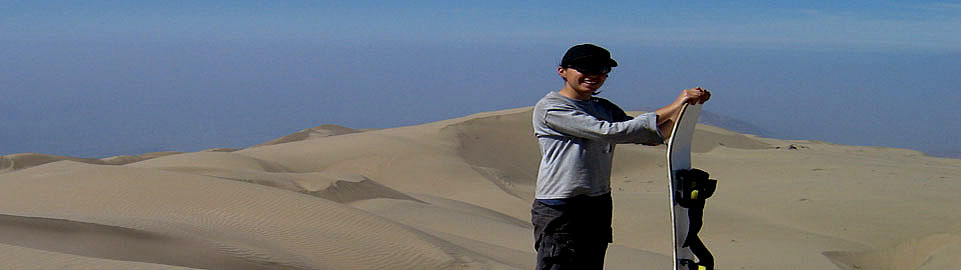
(679, 159)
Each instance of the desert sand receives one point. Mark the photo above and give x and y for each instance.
(456, 194)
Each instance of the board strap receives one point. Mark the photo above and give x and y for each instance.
(696, 187)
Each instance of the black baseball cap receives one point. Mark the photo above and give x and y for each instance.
(588, 56)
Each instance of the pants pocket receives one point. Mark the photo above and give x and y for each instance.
(555, 252)
(561, 251)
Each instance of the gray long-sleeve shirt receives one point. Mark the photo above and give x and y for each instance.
(577, 139)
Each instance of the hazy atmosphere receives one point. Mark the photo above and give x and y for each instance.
(103, 78)
(354, 135)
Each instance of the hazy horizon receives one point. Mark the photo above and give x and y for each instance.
(102, 79)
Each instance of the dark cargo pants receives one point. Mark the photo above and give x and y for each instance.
(573, 234)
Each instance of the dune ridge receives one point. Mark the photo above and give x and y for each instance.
(312, 133)
(26, 160)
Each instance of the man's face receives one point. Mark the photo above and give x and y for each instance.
(586, 81)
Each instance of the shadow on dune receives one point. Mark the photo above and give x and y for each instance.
(117, 243)
(938, 251)
(502, 148)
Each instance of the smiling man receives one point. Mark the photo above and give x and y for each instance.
(573, 208)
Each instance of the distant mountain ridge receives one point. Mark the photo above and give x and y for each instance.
(741, 126)
(730, 123)
(948, 153)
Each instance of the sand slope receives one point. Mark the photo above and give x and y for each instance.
(455, 194)
(15, 257)
(202, 222)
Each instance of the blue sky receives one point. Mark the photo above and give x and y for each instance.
(904, 24)
(100, 78)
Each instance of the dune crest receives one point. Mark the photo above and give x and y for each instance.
(126, 159)
(26, 160)
(346, 190)
(312, 133)
(708, 137)
(222, 160)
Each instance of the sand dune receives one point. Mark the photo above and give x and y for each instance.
(14, 162)
(455, 194)
(26, 160)
(220, 160)
(502, 148)
(126, 159)
(312, 133)
(203, 222)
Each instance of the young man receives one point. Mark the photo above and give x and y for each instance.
(572, 208)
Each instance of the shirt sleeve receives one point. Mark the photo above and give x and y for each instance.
(641, 129)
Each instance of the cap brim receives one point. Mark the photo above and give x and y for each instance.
(595, 63)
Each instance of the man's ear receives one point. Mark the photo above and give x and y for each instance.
(561, 71)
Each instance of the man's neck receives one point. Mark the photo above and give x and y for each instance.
(570, 93)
